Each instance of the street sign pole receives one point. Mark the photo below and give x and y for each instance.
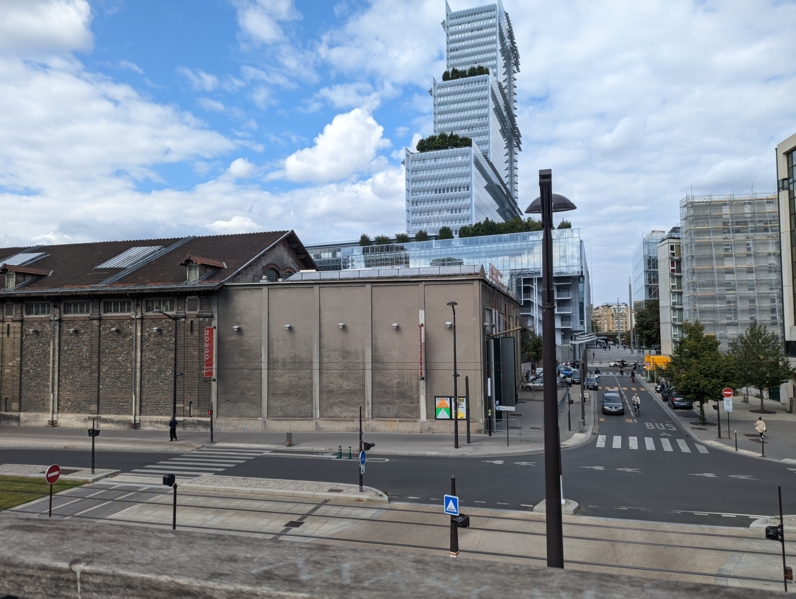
(454, 528)
(93, 428)
(361, 471)
(210, 413)
(51, 476)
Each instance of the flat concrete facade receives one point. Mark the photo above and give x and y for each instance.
(786, 197)
(307, 354)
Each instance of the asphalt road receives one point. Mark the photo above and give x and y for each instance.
(645, 468)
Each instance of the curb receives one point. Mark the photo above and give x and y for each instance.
(124, 448)
(90, 478)
(372, 495)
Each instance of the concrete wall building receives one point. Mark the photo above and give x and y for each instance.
(89, 329)
(731, 267)
(645, 269)
(670, 291)
(611, 318)
(462, 186)
(786, 196)
(512, 261)
(309, 351)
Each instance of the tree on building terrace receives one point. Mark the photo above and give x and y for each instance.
(382, 240)
(421, 235)
(364, 239)
(445, 233)
(443, 141)
(471, 72)
(565, 224)
(401, 238)
(489, 227)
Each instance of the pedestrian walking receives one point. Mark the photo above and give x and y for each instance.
(173, 428)
(760, 427)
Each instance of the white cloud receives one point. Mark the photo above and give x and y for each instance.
(198, 79)
(237, 224)
(44, 26)
(259, 19)
(126, 64)
(211, 105)
(241, 168)
(347, 145)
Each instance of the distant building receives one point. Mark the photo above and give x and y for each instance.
(731, 263)
(670, 290)
(786, 187)
(513, 261)
(645, 269)
(611, 318)
(465, 185)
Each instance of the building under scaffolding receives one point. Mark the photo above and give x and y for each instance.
(731, 263)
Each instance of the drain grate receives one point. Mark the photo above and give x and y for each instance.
(335, 490)
(293, 524)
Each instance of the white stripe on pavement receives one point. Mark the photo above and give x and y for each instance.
(683, 446)
(701, 448)
(617, 442)
(600, 440)
(633, 442)
(181, 464)
(156, 467)
(667, 446)
(172, 471)
(648, 441)
(211, 459)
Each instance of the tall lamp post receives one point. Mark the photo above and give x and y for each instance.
(174, 386)
(546, 204)
(455, 406)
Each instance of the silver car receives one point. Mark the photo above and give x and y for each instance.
(612, 403)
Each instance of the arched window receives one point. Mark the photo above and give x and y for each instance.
(271, 275)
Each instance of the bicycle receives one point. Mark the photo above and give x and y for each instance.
(637, 409)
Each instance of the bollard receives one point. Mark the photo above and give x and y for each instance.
(339, 452)
(174, 513)
(349, 452)
(736, 440)
(763, 444)
(289, 440)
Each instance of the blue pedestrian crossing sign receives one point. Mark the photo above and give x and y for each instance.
(451, 505)
(362, 458)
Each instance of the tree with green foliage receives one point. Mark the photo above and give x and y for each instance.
(443, 141)
(455, 73)
(698, 370)
(489, 227)
(401, 238)
(565, 224)
(761, 360)
(382, 240)
(421, 235)
(364, 239)
(648, 324)
(530, 346)
(445, 233)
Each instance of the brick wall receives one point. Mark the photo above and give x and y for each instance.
(74, 381)
(116, 365)
(157, 370)
(10, 356)
(35, 369)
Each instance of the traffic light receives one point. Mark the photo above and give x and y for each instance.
(461, 521)
(774, 533)
(168, 480)
(210, 412)
(366, 446)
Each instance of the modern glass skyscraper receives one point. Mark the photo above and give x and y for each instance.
(462, 186)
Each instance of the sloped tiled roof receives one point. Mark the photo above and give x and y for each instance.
(73, 267)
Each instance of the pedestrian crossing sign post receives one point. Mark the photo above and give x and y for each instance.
(451, 505)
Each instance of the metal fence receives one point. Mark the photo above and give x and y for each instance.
(518, 425)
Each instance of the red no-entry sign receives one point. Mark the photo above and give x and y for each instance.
(727, 392)
(53, 474)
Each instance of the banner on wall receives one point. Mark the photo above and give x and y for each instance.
(209, 351)
(442, 408)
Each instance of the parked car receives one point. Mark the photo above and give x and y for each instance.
(678, 401)
(592, 383)
(575, 379)
(565, 371)
(618, 363)
(612, 403)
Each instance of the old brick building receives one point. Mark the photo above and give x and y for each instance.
(91, 329)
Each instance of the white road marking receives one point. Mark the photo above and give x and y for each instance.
(617, 442)
(479, 501)
(594, 467)
(525, 463)
(650, 443)
(414, 497)
(525, 505)
(701, 448)
(636, 470)
(633, 442)
(683, 446)
(492, 461)
(743, 476)
(705, 474)
(93, 508)
(600, 440)
(502, 503)
(666, 444)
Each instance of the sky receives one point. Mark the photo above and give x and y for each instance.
(126, 119)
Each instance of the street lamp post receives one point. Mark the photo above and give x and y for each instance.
(547, 203)
(174, 385)
(455, 406)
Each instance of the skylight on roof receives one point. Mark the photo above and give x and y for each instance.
(130, 257)
(23, 258)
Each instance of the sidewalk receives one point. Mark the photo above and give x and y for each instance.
(520, 442)
(780, 437)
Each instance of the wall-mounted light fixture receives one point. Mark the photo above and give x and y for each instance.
(448, 323)
(287, 327)
(74, 331)
(395, 325)
(157, 329)
(236, 328)
(341, 325)
(33, 331)
(115, 329)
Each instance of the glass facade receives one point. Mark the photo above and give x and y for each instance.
(645, 268)
(513, 261)
(466, 185)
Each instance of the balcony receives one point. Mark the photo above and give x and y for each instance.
(563, 295)
(563, 309)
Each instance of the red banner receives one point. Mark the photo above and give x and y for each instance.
(209, 353)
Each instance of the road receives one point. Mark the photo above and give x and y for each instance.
(645, 468)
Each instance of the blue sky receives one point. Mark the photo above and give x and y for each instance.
(145, 118)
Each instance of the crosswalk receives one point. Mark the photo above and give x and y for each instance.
(649, 444)
(205, 460)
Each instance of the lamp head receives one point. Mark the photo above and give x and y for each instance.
(452, 304)
(560, 204)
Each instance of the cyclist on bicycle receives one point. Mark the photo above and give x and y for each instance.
(636, 404)
(633, 376)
